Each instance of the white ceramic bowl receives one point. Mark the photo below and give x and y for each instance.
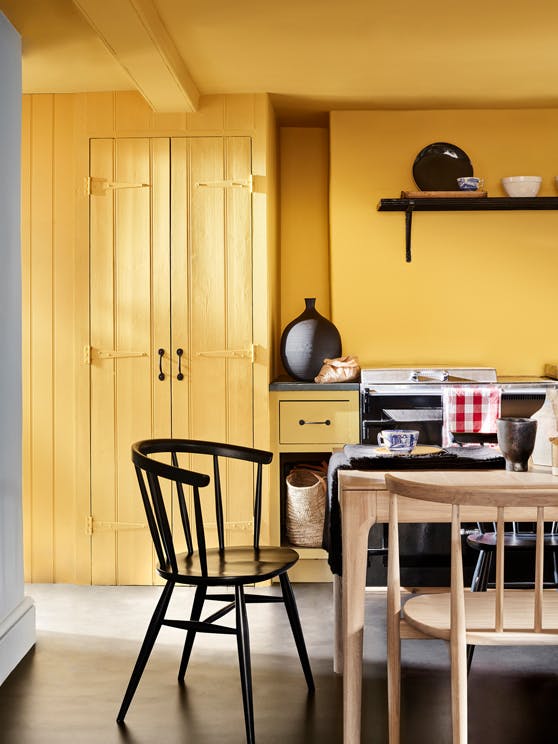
(522, 185)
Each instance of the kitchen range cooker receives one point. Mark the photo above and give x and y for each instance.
(411, 398)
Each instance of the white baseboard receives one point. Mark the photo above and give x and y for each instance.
(17, 636)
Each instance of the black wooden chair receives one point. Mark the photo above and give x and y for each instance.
(517, 537)
(206, 567)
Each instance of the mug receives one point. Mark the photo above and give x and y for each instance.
(470, 183)
(398, 440)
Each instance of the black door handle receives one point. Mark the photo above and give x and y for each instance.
(161, 373)
(179, 353)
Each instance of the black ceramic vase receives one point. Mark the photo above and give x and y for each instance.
(516, 439)
(307, 341)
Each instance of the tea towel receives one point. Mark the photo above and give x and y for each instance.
(469, 410)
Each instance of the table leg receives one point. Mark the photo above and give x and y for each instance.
(357, 516)
(337, 624)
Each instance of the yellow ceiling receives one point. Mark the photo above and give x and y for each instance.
(312, 55)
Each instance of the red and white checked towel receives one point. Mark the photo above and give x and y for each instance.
(469, 410)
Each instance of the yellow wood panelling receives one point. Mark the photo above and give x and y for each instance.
(55, 250)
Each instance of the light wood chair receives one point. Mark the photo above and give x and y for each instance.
(500, 617)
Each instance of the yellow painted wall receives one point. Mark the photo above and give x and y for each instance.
(304, 159)
(481, 288)
(55, 285)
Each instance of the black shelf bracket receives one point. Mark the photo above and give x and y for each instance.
(408, 227)
(462, 204)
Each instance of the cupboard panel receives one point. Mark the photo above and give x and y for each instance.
(171, 269)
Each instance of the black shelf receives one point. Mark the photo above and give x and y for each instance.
(465, 204)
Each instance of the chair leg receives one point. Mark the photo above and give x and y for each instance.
(555, 566)
(394, 669)
(145, 650)
(479, 584)
(195, 615)
(481, 560)
(243, 642)
(294, 619)
(458, 690)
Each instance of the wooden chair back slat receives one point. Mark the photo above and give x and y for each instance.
(151, 521)
(150, 470)
(162, 519)
(499, 610)
(184, 516)
(218, 504)
(258, 507)
(500, 603)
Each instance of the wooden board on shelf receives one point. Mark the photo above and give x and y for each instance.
(443, 194)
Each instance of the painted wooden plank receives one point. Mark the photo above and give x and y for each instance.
(81, 370)
(133, 381)
(207, 290)
(160, 301)
(102, 301)
(180, 280)
(41, 371)
(238, 314)
(64, 350)
(180, 309)
(206, 299)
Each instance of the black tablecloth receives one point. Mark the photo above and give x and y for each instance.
(357, 457)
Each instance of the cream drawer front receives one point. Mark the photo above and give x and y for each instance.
(316, 422)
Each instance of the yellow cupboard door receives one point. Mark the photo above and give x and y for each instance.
(130, 309)
(212, 305)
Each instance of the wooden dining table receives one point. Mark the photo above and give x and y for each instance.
(364, 502)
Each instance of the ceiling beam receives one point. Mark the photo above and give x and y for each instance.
(135, 35)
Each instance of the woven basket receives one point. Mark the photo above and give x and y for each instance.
(305, 512)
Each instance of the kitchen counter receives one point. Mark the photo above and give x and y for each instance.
(287, 384)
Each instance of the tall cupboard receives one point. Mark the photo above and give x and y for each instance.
(170, 249)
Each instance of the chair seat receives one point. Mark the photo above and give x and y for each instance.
(235, 565)
(430, 613)
(515, 540)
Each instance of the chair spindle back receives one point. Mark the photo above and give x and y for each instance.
(150, 470)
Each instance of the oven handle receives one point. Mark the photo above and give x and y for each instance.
(302, 422)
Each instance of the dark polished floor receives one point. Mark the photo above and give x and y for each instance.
(68, 690)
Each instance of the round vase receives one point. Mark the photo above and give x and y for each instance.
(307, 341)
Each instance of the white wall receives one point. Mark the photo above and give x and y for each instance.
(17, 613)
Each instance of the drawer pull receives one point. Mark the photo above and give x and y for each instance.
(327, 422)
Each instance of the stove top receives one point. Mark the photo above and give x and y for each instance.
(433, 377)
(425, 375)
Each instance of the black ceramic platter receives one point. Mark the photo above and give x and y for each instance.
(438, 166)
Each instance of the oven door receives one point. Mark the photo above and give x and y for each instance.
(412, 411)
